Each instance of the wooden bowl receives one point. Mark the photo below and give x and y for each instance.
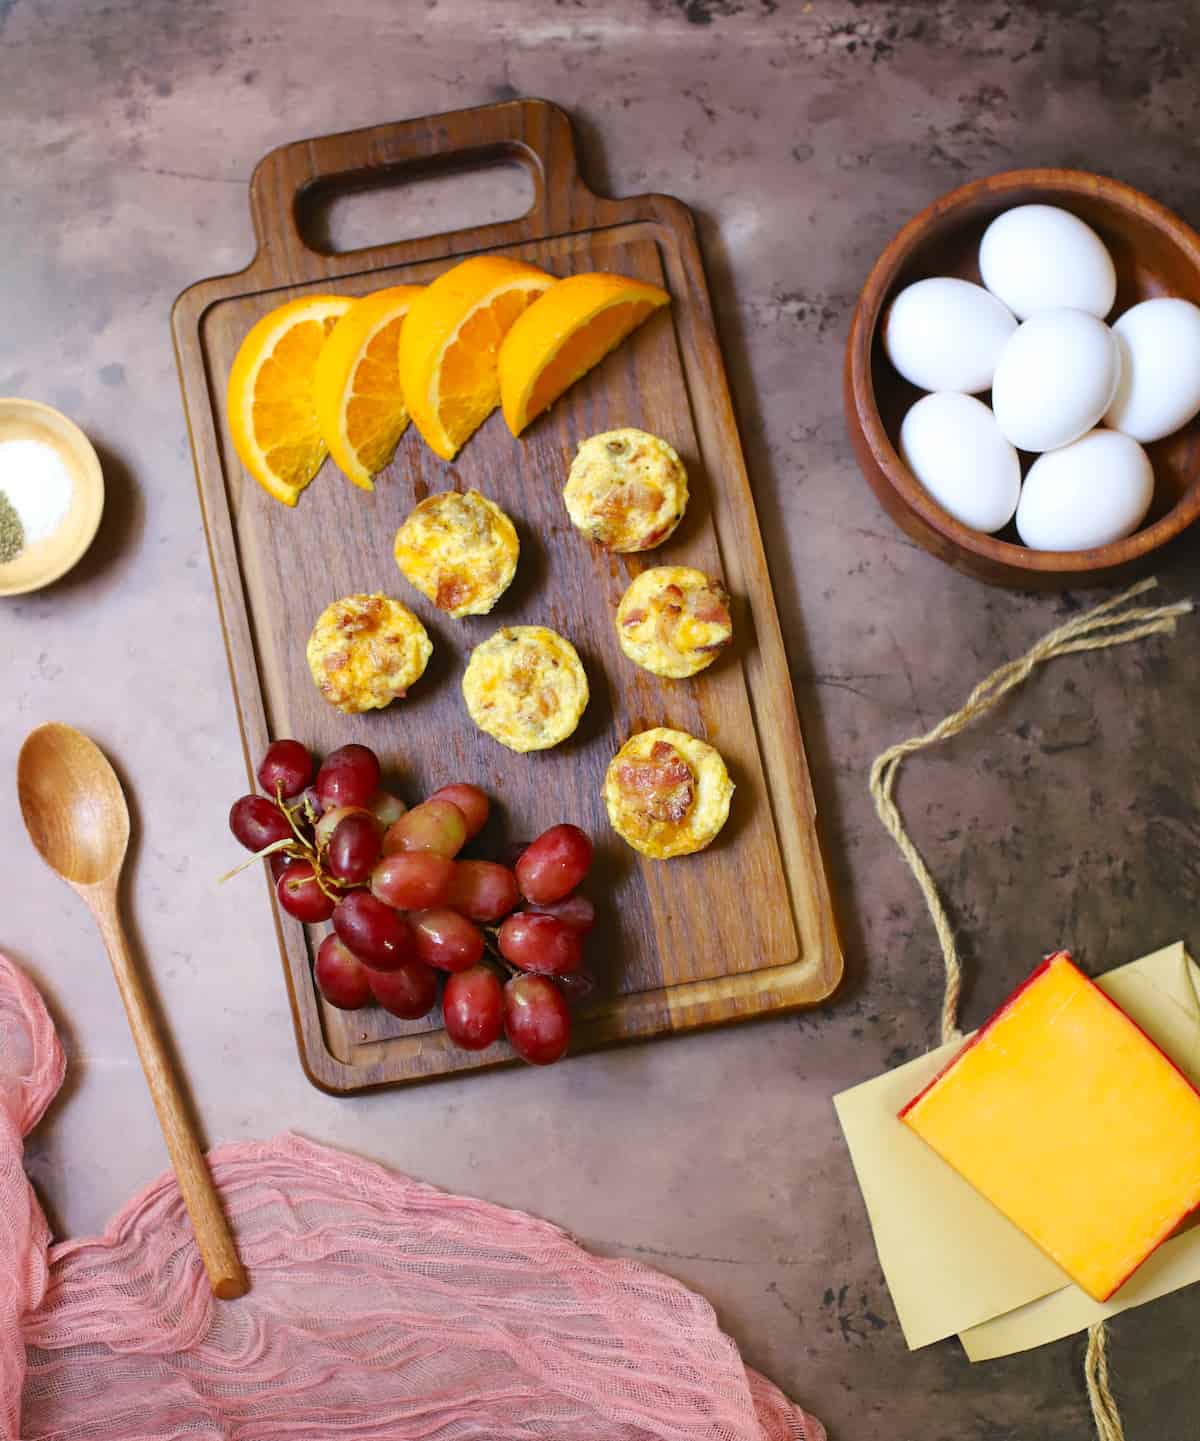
(44, 561)
(1154, 252)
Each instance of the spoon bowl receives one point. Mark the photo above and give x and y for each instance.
(73, 805)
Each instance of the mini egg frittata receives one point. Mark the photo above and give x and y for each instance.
(458, 550)
(667, 793)
(365, 651)
(627, 490)
(673, 621)
(525, 686)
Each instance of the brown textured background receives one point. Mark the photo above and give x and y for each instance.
(803, 134)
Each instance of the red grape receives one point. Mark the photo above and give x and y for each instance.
(473, 803)
(349, 776)
(436, 826)
(301, 896)
(413, 880)
(341, 976)
(286, 769)
(386, 808)
(257, 822)
(279, 863)
(483, 890)
(354, 848)
(330, 821)
(305, 809)
(379, 936)
(447, 940)
(536, 1019)
(576, 911)
(409, 991)
(473, 1008)
(554, 864)
(540, 943)
(577, 985)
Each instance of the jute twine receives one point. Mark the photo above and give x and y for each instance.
(1116, 622)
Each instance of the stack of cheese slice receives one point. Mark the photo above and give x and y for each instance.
(1069, 1119)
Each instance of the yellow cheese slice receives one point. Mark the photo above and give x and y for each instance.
(1069, 1119)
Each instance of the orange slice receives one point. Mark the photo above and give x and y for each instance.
(449, 344)
(356, 384)
(558, 339)
(270, 396)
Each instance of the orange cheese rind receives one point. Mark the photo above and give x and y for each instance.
(1064, 1114)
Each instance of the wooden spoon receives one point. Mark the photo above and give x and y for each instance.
(76, 816)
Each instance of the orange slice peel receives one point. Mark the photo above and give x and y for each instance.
(272, 416)
(356, 384)
(450, 342)
(560, 337)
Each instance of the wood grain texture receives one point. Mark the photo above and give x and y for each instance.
(213, 1238)
(743, 929)
(77, 818)
(1154, 252)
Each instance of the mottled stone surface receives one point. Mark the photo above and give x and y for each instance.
(803, 135)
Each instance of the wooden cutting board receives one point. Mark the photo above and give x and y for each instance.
(741, 930)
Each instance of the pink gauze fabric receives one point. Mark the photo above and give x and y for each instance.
(380, 1308)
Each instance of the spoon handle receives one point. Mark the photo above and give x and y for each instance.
(213, 1238)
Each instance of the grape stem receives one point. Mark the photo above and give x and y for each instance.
(489, 940)
(320, 877)
(273, 849)
(291, 820)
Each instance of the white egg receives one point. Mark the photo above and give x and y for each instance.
(1159, 390)
(1038, 257)
(953, 446)
(1089, 493)
(1055, 378)
(945, 334)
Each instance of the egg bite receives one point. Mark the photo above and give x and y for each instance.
(626, 490)
(458, 550)
(667, 793)
(365, 651)
(673, 621)
(525, 686)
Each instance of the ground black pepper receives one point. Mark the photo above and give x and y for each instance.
(12, 532)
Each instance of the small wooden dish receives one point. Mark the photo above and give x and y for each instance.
(1154, 252)
(45, 561)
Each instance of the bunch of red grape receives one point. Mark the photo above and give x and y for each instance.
(508, 939)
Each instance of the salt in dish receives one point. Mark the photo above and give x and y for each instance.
(51, 495)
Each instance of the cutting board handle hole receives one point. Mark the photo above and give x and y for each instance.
(407, 203)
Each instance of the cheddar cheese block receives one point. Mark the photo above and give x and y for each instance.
(1069, 1119)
